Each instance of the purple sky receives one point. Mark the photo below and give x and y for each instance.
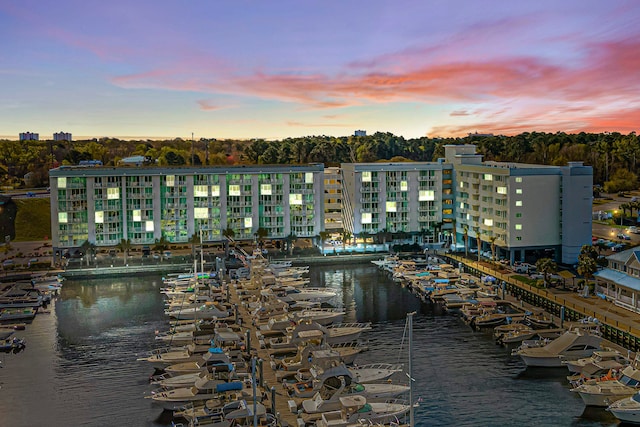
(251, 69)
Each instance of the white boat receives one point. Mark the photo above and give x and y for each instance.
(187, 380)
(603, 393)
(214, 358)
(356, 410)
(374, 372)
(205, 311)
(323, 316)
(371, 411)
(571, 345)
(164, 357)
(239, 413)
(6, 333)
(203, 390)
(598, 356)
(627, 410)
(290, 294)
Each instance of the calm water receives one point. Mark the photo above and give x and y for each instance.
(79, 367)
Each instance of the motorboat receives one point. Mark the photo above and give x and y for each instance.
(204, 389)
(161, 358)
(6, 333)
(186, 380)
(604, 393)
(627, 409)
(597, 358)
(330, 378)
(571, 345)
(374, 372)
(215, 358)
(12, 344)
(324, 316)
(23, 313)
(18, 297)
(355, 410)
(237, 413)
(290, 294)
(208, 310)
(354, 404)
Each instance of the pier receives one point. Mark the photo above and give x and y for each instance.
(618, 325)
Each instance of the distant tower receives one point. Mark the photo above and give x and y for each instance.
(29, 136)
(62, 136)
(360, 133)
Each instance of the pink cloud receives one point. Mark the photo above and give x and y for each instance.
(207, 105)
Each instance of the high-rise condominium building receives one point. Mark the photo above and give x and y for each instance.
(62, 136)
(105, 205)
(29, 136)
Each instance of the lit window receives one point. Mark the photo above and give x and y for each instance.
(295, 199)
(366, 176)
(248, 222)
(518, 190)
(201, 213)
(518, 179)
(148, 225)
(392, 207)
(518, 226)
(461, 205)
(265, 189)
(426, 195)
(501, 190)
(99, 217)
(518, 202)
(308, 178)
(404, 186)
(488, 222)
(468, 217)
(170, 180)
(234, 190)
(200, 191)
(488, 177)
(113, 193)
(62, 217)
(366, 218)
(215, 191)
(137, 215)
(62, 182)
(461, 184)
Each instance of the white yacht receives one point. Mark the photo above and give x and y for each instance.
(603, 393)
(355, 410)
(627, 410)
(206, 311)
(204, 389)
(323, 316)
(571, 345)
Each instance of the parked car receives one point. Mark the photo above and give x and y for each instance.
(525, 268)
(623, 236)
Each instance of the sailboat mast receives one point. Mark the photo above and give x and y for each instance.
(410, 320)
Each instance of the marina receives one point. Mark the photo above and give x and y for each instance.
(85, 351)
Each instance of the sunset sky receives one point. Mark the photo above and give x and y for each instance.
(273, 69)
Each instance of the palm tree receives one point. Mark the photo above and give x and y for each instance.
(345, 236)
(161, 245)
(476, 230)
(465, 234)
(194, 240)
(324, 235)
(290, 239)
(546, 266)
(125, 247)
(89, 250)
(260, 235)
(492, 240)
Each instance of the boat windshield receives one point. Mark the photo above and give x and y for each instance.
(636, 397)
(629, 381)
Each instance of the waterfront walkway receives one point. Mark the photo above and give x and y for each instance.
(623, 325)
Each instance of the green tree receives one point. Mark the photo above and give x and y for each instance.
(324, 235)
(161, 245)
(345, 236)
(89, 250)
(124, 246)
(492, 241)
(587, 262)
(465, 235)
(194, 240)
(260, 235)
(546, 266)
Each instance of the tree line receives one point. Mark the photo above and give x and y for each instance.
(613, 156)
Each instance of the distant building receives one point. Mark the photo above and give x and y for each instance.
(480, 135)
(333, 200)
(132, 161)
(29, 136)
(360, 133)
(62, 136)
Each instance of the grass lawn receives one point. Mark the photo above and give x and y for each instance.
(33, 220)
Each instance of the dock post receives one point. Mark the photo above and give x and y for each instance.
(235, 306)
(248, 341)
(504, 288)
(273, 400)
(261, 372)
(562, 316)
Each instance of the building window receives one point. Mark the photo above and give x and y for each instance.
(62, 182)
(404, 186)
(265, 189)
(488, 222)
(518, 179)
(148, 226)
(62, 217)
(113, 193)
(487, 177)
(366, 176)
(519, 215)
(99, 217)
(501, 190)
(248, 222)
(518, 190)
(215, 191)
(426, 195)
(170, 180)
(392, 207)
(200, 191)
(137, 215)
(234, 190)
(518, 238)
(366, 218)
(518, 226)
(295, 199)
(518, 202)
(308, 178)
(201, 213)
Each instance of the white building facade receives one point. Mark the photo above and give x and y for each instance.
(62, 136)
(29, 136)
